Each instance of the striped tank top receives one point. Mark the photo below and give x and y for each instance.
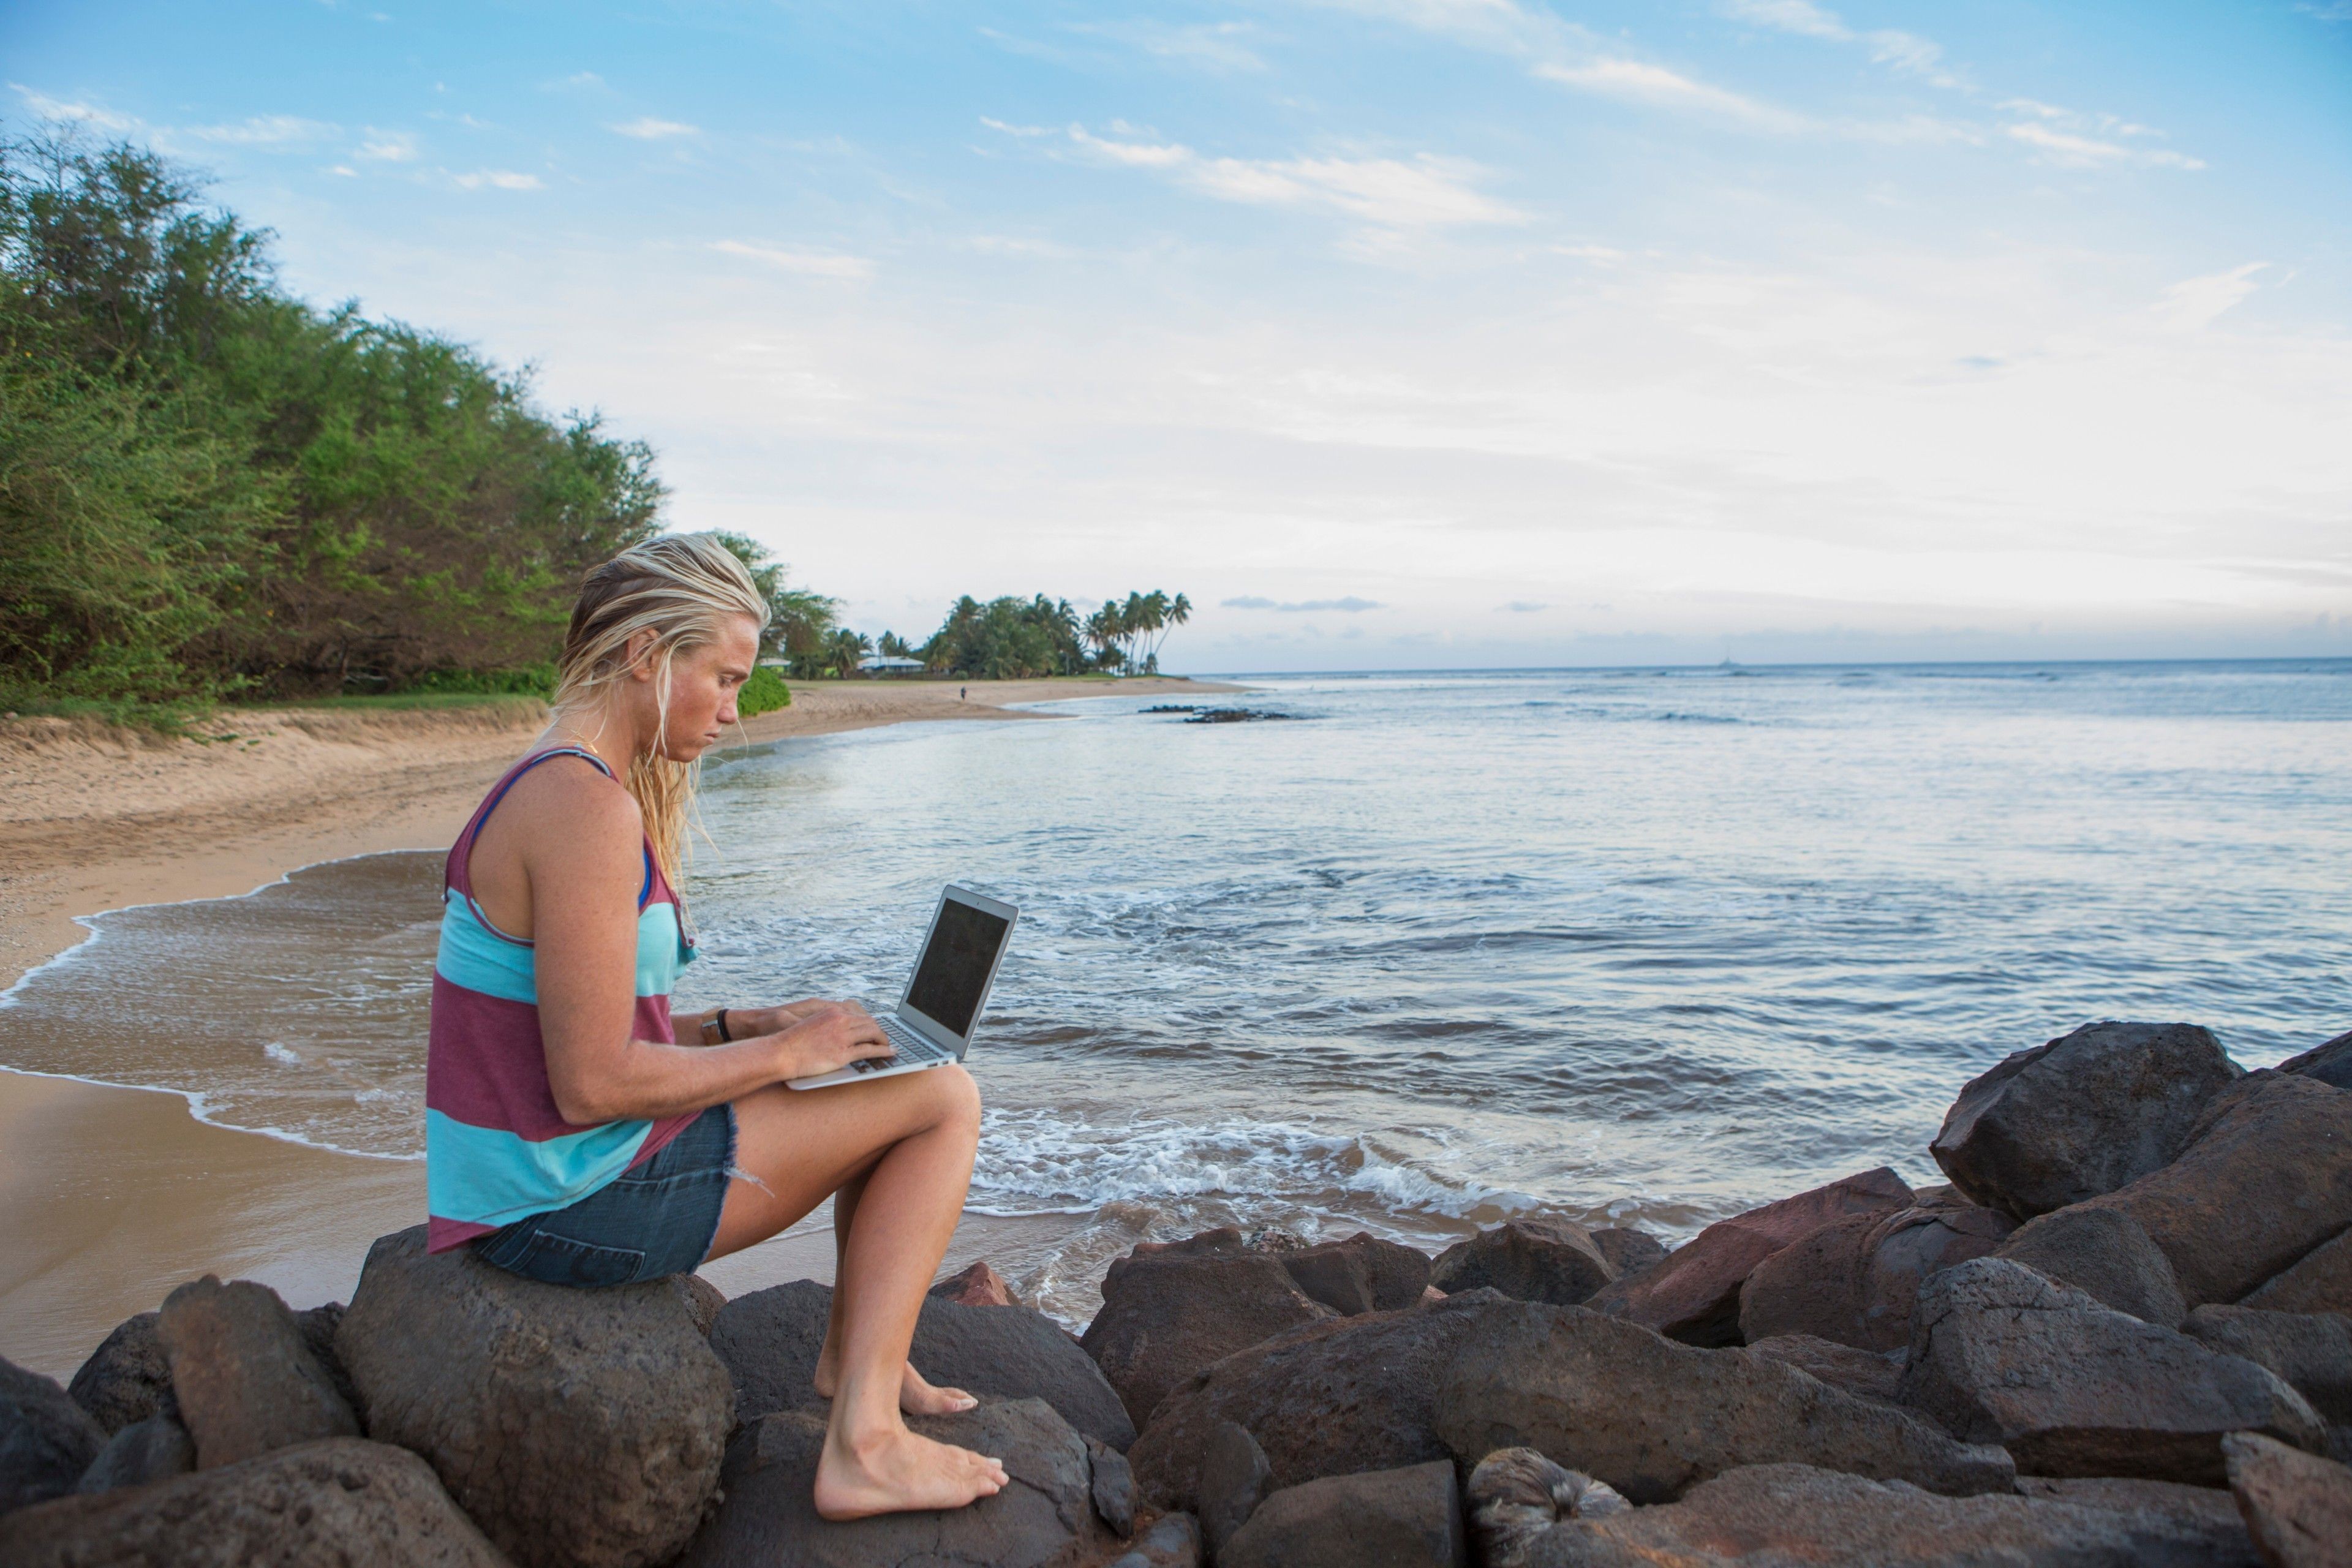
(496, 1149)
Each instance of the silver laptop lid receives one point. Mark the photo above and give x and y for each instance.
(957, 963)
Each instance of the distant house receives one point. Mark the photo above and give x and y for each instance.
(888, 663)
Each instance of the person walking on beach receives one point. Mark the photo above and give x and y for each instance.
(577, 1132)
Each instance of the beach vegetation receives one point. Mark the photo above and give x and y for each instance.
(763, 693)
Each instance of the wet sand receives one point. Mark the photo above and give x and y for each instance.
(111, 1196)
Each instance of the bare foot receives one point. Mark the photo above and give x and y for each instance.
(895, 1471)
(916, 1396)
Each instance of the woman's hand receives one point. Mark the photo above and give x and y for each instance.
(825, 1037)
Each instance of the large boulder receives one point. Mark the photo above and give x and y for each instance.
(1361, 1274)
(1236, 1476)
(1867, 1374)
(1779, 1516)
(128, 1378)
(578, 1428)
(1336, 1396)
(2001, 1354)
(1652, 1417)
(1628, 1249)
(2312, 1351)
(1854, 1281)
(2083, 1115)
(46, 1440)
(343, 1500)
(2297, 1508)
(2330, 1063)
(1553, 1260)
(1408, 1518)
(245, 1376)
(770, 1340)
(2267, 1179)
(2319, 1281)
(1693, 1294)
(1044, 1516)
(2105, 1252)
(1171, 1311)
(149, 1450)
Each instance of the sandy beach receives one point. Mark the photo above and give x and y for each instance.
(110, 1197)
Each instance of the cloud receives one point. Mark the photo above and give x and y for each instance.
(2195, 302)
(499, 179)
(2071, 150)
(1525, 607)
(1424, 192)
(645, 128)
(1216, 45)
(86, 114)
(1024, 131)
(811, 263)
(1351, 604)
(266, 130)
(1790, 16)
(388, 146)
(1637, 81)
(584, 79)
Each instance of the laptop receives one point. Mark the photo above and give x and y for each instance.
(933, 1022)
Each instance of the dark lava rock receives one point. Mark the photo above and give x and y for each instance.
(2105, 1253)
(343, 1501)
(978, 1286)
(2083, 1115)
(128, 1378)
(1115, 1492)
(2319, 1281)
(2330, 1063)
(1866, 1374)
(1653, 1417)
(1168, 1313)
(46, 1440)
(1336, 1396)
(1516, 1498)
(2071, 1387)
(1854, 1281)
(1627, 1249)
(150, 1450)
(1777, 1516)
(1361, 1274)
(1552, 1261)
(1693, 1294)
(1174, 1541)
(2297, 1508)
(1235, 1479)
(1044, 1516)
(244, 1374)
(2205, 1510)
(2267, 1179)
(770, 1340)
(1408, 1518)
(578, 1428)
(2312, 1351)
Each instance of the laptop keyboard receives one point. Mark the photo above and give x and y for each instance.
(910, 1046)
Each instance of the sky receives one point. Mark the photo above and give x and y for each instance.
(1394, 333)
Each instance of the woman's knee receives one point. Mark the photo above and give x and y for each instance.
(957, 1097)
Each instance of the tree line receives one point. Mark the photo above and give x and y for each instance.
(1008, 638)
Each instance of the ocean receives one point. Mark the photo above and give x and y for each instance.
(1642, 946)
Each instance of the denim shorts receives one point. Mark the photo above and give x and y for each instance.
(655, 1219)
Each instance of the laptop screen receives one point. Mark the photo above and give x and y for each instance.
(954, 970)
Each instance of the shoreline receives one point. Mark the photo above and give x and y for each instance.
(110, 1195)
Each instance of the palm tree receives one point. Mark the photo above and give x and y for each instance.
(844, 648)
(1176, 611)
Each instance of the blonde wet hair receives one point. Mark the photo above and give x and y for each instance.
(684, 588)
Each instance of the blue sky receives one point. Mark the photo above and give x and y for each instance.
(1396, 332)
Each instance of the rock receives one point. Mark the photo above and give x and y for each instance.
(1361, 1274)
(245, 1377)
(150, 1450)
(580, 1427)
(319, 1325)
(1516, 1496)
(770, 1340)
(702, 1300)
(2311, 1350)
(342, 1502)
(1339, 1395)
(1044, 1516)
(2297, 1508)
(1854, 1281)
(1693, 1294)
(2330, 1063)
(978, 1286)
(2206, 1510)
(1235, 1479)
(1408, 1518)
(2268, 1178)
(1866, 1374)
(1778, 1516)
(1940, 1195)
(2001, 1354)
(1550, 1260)
(1628, 1251)
(2321, 1281)
(1174, 1541)
(128, 1378)
(1652, 1417)
(46, 1440)
(1113, 1488)
(2105, 1253)
(2083, 1115)
(1167, 1314)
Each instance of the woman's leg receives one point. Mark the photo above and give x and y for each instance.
(906, 1142)
(915, 1394)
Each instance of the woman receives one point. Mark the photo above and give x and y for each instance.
(578, 1133)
